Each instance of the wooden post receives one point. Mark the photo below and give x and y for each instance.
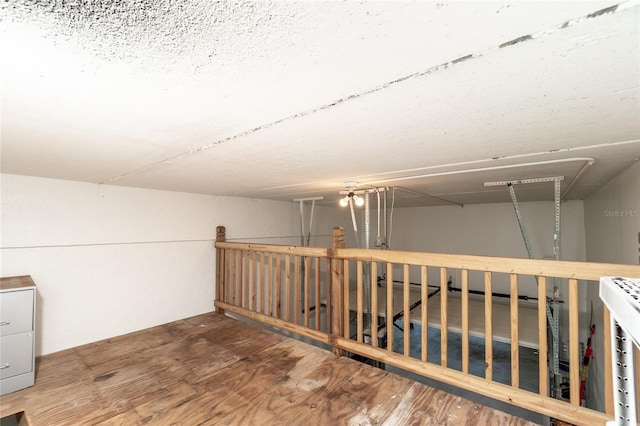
(221, 236)
(574, 343)
(465, 321)
(444, 326)
(543, 366)
(515, 339)
(488, 326)
(335, 305)
(609, 406)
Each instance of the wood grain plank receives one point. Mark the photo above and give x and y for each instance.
(245, 300)
(11, 283)
(307, 287)
(488, 325)
(424, 338)
(465, 320)
(254, 282)
(405, 310)
(444, 325)
(316, 300)
(296, 290)
(359, 302)
(515, 340)
(345, 298)
(269, 285)
(278, 285)
(389, 313)
(262, 279)
(543, 376)
(374, 304)
(287, 288)
(212, 369)
(574, 342)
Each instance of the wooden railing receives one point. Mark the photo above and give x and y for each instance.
(325, 294)
(283, 286)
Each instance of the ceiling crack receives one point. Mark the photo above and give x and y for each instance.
(465, 58)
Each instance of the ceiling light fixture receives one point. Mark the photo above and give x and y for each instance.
(359, 201)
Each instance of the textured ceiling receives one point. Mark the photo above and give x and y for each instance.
(285, 100)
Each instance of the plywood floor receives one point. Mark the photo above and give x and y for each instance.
(214, 370)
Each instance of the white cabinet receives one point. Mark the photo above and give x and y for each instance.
(17, 333)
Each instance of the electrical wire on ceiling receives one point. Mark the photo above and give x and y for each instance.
(427, 195)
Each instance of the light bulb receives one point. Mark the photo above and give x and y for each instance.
(344, 201)
(359, 201)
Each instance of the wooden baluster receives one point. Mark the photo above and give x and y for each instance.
(389, 318)
(278, 285)
(424, 340)
(262, 280)
(374, 304)
(307, 305)
(465, 321)
(287, 287)
(515, 340)
(543, 367)
(406, 290)
(317, 288)
(254, 281)
(574, 343)
(230, 276)
(329, 277)
(296, 290)
(221, 282)
(488, 326)
(246, 280)
(359, 300)
(608, 360)
(335, 304)
(270, 285)
(345, 308)
(237, 276)
(444, 332)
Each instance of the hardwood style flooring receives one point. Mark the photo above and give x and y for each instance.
(212, 369)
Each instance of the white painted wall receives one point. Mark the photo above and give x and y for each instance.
(490, 230)
(612, 219)
(109, 260)
(612, 222)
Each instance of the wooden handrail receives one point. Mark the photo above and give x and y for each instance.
(281, 286)
(273, 248)
(536, 267)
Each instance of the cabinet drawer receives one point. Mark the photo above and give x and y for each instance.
(16, 354)
(16, 312)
